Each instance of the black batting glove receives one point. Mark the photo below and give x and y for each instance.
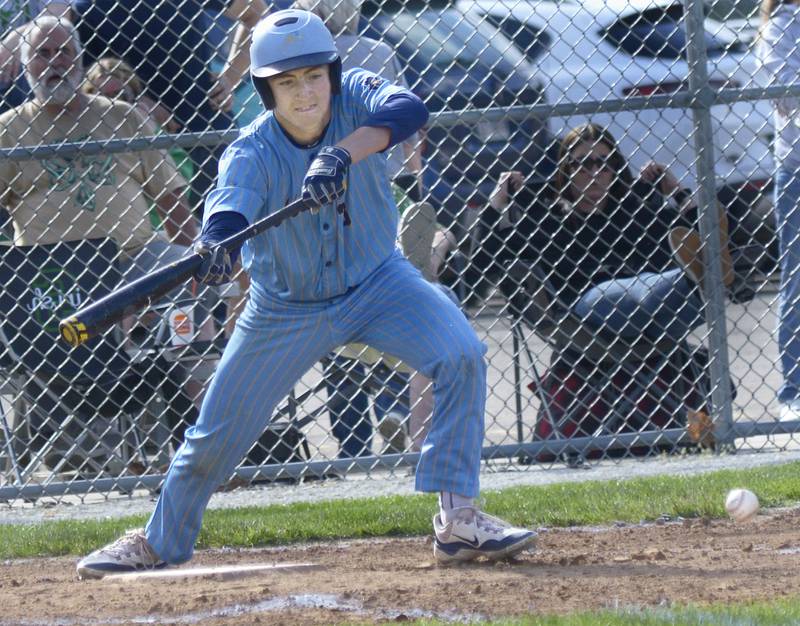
(217, 266)
(326, 178)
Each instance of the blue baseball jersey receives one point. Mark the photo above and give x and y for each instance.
(311, 257)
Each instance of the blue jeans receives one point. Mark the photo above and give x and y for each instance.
(348, 406)
(654, 305)
(787, 218)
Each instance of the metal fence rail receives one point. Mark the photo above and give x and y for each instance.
(569, 380)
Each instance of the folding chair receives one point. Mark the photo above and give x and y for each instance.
(621, 379)
(82, 405)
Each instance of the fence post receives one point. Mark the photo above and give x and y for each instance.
(702, 100)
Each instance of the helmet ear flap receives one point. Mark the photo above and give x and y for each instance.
(335, 70)
(264, 90)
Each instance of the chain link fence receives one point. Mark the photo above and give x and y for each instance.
(594, 186)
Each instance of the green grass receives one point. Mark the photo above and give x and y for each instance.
(588, 503)
(777, 613)
(568, 504)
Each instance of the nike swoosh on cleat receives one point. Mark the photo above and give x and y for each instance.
(472, 542)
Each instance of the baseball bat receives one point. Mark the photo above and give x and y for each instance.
(98, 316)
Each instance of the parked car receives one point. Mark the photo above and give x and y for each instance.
(624, 48)
(454, 65)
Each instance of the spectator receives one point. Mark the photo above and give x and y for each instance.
(56, 198)
(348, 377)
(779, 50)
(107, 194)
(116, 80)
(164, 43)
(14, 15)
(604, 239)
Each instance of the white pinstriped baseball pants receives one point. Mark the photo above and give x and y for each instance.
(396, 311)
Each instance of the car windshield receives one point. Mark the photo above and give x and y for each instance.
(665, 39)
(446, 38)
(530, 39)
(733, 9)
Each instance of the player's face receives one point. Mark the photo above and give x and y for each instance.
(303, 101)
(591, 175)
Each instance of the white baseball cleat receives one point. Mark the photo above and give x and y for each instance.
(129, 553)
(472, 533)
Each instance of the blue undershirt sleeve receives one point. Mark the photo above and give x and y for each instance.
(402, 113)
(220, 226)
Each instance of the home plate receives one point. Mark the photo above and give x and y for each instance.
(221, 572)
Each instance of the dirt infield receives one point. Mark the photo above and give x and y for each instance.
(394, 579)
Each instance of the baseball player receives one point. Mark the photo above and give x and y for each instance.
(321, 280)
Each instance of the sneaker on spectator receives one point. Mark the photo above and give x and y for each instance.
(129, 553)
(417, 230)
(393, 433)
(790, 411)
(472, 533)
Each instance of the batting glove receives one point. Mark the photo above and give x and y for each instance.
(326, 178)
(217, 266)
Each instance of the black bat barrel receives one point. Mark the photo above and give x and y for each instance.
(99, 316)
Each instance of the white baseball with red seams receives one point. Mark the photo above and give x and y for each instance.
(741, 504)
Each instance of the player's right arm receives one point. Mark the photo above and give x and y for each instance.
(230, 207)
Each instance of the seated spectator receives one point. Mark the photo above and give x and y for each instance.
(621, 254)
(55, 198)
(606, 240)
(350, 376)
(78, 198)
(116, 80)
(405, 406)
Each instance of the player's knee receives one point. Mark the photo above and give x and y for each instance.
(206, 455)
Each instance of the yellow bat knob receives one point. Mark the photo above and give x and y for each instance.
(73, 331)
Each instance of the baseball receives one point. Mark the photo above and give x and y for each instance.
(741, 504)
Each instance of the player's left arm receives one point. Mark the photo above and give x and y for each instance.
(393, 121)
(396, 119)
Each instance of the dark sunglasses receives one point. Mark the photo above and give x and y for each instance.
(591, 163)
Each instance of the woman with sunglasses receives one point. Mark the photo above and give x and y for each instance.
(608, 242)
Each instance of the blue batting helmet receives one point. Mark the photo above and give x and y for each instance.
(288, 40)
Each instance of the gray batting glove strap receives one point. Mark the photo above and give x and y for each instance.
(326, 178)
(217, 267)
